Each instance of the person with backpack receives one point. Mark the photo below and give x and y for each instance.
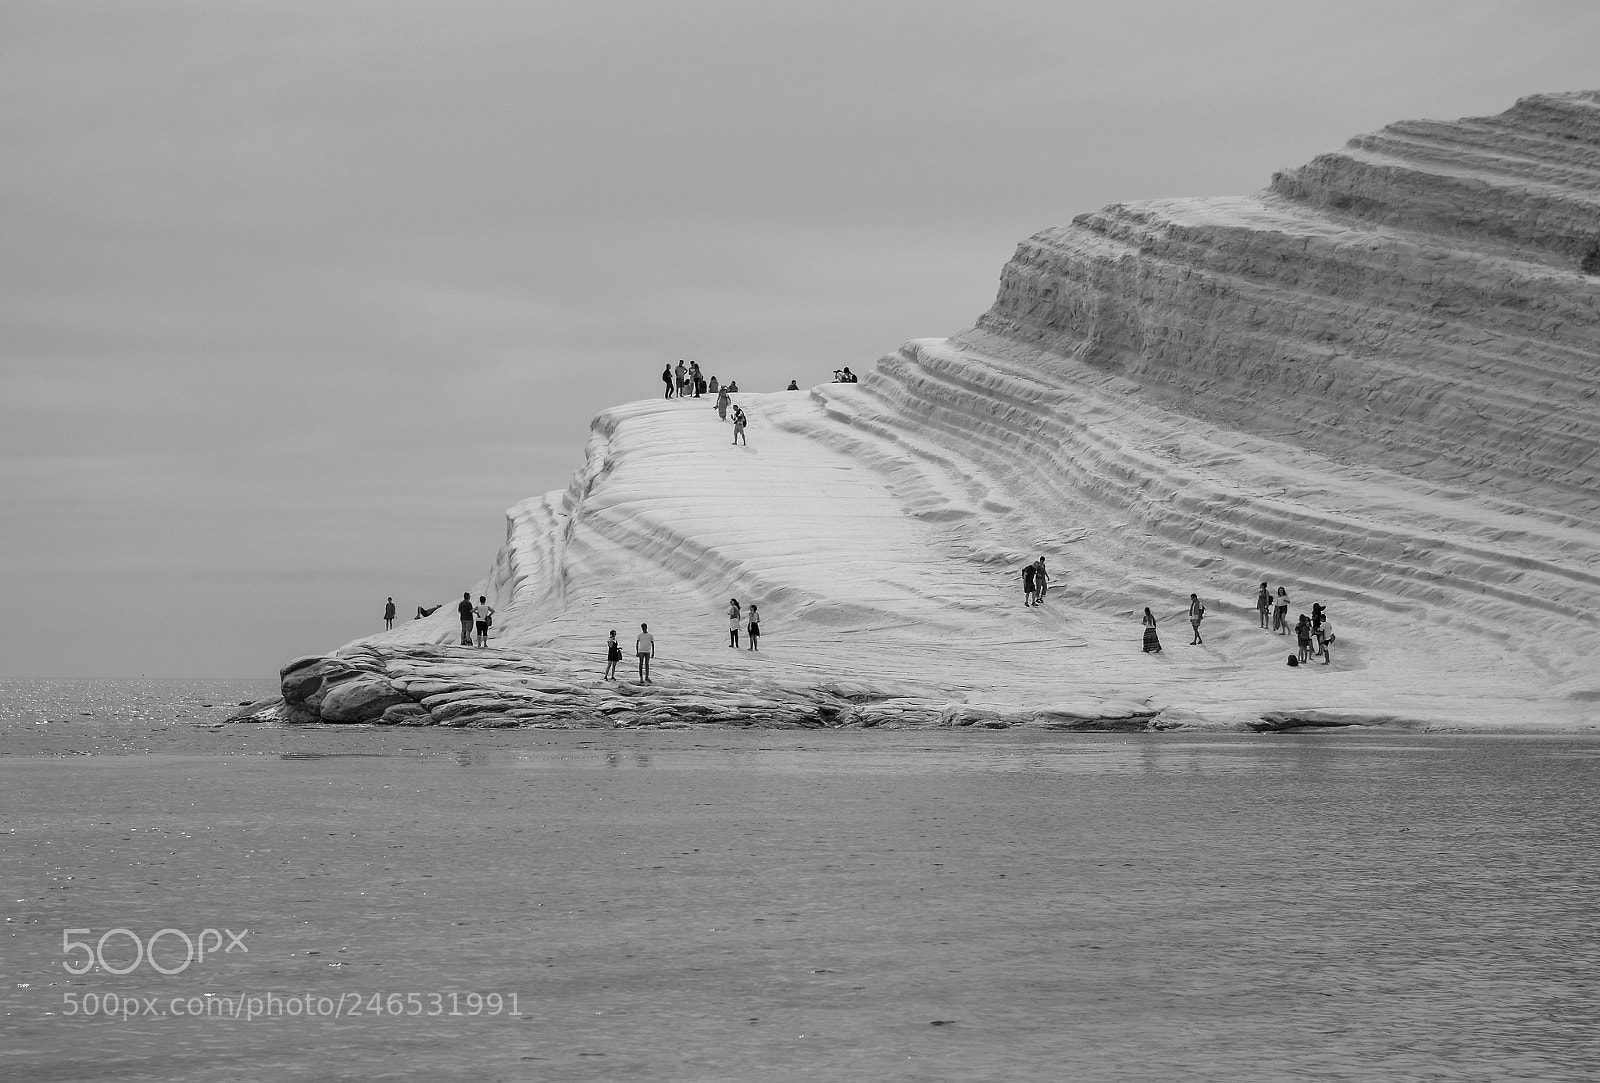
(738, 427)
(1197, 613)
(666, 378)
(1302, 634)
(613, 656)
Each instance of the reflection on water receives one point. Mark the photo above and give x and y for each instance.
(821, 906)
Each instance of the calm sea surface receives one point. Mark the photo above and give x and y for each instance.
(734, 905)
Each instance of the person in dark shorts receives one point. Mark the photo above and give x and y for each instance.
(645, 647)
(613, 656)
(464, 610)
(1029, 587)
(754, 628)
(483, 616)
(388, 615)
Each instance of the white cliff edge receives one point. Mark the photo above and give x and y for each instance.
(1374, 383)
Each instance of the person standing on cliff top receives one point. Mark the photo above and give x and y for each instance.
(645, 646)
(388, 615)
(1264, 607)
(666, 378)
(696, 381)
(683, 378)
(483, 614)
(464, 611)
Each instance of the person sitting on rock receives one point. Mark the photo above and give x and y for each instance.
(733, 387)
(793, 386)
(849, 377)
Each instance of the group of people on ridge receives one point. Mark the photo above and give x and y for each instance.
(644, 646)
(1313, 633)
(687, 381)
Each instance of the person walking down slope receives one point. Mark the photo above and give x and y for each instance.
(483, 616)
(645, 647)
(388, 615)
(464, 610)
(1041, 581)
(738, 427)
(733, 623)
(613, 656)
(1280, 612)
(754, 628)
(1152, 642)
(1264, 607)
(1029, 584)
(722, 404)
(1197, 613)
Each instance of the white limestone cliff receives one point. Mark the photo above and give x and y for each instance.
(1373, 383)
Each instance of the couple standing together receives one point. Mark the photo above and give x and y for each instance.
(753, 626)
(644, 646)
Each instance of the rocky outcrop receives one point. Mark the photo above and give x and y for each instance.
(1374, 382)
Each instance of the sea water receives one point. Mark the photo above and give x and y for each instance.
(723, 904)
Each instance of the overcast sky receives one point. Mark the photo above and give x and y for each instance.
(297, 298)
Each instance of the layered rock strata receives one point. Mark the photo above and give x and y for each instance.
(1374, 382)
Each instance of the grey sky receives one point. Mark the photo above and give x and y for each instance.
(297, 298)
